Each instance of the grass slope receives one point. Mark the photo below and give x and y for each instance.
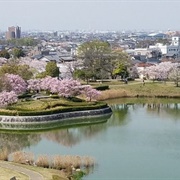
(136, 89)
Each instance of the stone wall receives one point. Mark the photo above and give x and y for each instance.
(54, 117)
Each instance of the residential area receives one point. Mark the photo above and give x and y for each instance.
(144, 49)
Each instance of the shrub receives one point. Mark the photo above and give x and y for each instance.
(102, 88)
(26, 95)
(4, 154)
(43, 161)
(22, 157)
(75, 99)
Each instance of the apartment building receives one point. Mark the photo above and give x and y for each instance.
(13, 32)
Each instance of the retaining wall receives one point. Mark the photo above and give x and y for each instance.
(54, 117)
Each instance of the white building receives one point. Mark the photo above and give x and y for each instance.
(173, 50)
(161, 47)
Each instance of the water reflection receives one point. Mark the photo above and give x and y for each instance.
(71, 136)
(67, 136)
(120, 112)
(16, 142)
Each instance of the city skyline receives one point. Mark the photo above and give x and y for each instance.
(90, 14)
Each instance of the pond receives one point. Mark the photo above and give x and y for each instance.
(141, 140)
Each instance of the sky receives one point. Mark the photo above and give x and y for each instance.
(115, 15)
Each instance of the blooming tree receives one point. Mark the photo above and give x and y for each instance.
(37, 65)
(69, 88)
(175, 73)
(34, 85)
(14, 83)
(159, 71)
(90, 93)
(7, 98)
(50, 84)
(151, 72)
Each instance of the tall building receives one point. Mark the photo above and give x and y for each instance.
(13, 33)
(18, 32)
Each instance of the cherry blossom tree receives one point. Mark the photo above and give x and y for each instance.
(159, 71)
(50, 84)
(34, 85)
(36, 66)
(11, 82)
(90, 93)
(151, 72)
(163, 70)
(69, 88)
(175, 73)
(7, 98)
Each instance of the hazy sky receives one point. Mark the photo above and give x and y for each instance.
(90, 14)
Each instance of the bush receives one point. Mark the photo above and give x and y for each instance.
(23, 96)
(75, 99)
(4, 154)
(43, 161)
(102, 88)
(55, 96)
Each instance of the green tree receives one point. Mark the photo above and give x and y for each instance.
(84, 75)
(116, 60)
(4, 54)
(41, 75)
(13, 67)
(94, 54)
(100, 60)
(27, 41)
(17, 53)
(52, 69)
(121, 71)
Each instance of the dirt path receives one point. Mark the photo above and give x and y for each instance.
(31, 174)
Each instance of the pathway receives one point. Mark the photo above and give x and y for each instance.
(30, 173)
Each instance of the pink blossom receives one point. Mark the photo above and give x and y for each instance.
(15, 83)
(34, 84)
(69, 88)
(7, 98)
(49, 83)
(90, 93)
(160, 71)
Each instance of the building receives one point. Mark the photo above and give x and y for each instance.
(174, 49)
(13, 32)
(169, 51)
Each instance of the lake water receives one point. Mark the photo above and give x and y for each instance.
(138, 142)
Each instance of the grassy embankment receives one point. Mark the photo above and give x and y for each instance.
(137, 89)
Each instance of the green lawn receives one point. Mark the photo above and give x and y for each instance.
(137, 89)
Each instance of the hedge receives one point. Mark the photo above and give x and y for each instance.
(102, 88)
(53, 110)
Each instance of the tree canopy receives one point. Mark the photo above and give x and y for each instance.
(52, 69)
(17, 53)
(13, 67)
(4, 54)
(100, 61)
